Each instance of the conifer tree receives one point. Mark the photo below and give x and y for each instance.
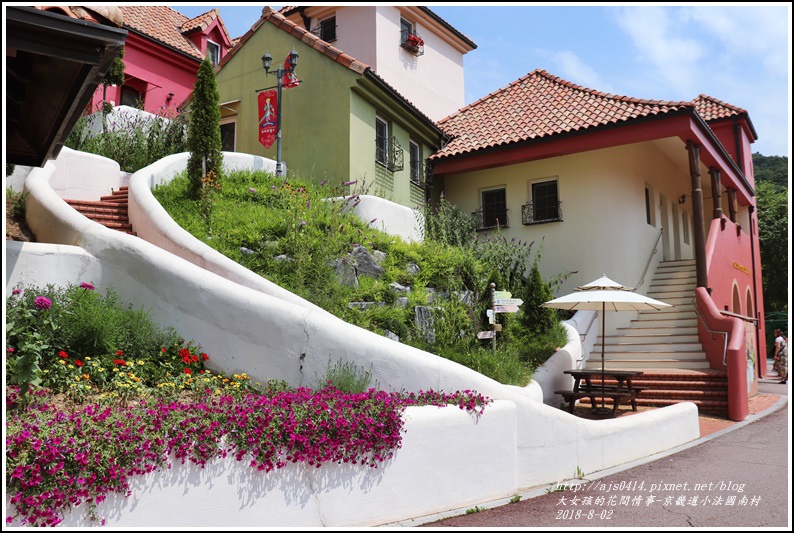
(204, 130)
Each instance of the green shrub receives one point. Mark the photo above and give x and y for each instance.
(346, 377)
(134, 142)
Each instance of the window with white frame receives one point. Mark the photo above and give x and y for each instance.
(416, 165)
(381, 141)
(214, 52)
(493, 208)
(544, 203)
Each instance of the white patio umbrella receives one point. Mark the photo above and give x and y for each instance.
(602, 295)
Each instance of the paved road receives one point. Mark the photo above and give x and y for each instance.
(735, 478)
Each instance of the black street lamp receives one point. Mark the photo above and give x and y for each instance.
(292, 61)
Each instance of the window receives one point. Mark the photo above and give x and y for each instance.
(493, 209)
(381, 141)
(406, 29)
(544, 203)
(131, 97)
(228, 136)
(416, 167)
(214, 52)
(650, 213)
(685, 226)
(327, 29)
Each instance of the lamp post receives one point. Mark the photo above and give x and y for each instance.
(280, 72)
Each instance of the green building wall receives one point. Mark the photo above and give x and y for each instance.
(328, 122)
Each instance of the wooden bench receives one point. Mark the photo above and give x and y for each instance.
(618, 397)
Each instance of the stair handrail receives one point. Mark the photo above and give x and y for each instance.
(583, 336)
(723, 333)
(648, 263)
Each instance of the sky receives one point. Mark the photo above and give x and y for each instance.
(739, 53)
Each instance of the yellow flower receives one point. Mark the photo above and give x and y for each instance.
(115, 369)
(62, 362)
(87, 358)
(86, 376)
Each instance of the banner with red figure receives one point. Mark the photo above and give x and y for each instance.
(289, 79)
(268, 117)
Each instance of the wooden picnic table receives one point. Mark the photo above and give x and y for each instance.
(583, 387)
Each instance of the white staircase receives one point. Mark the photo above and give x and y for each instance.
(665, 339)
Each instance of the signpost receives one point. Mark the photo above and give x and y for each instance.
(501, 302)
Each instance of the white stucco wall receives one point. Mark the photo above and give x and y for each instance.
(247, 330)
(604, 229)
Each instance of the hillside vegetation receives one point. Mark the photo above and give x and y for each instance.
(431, 295)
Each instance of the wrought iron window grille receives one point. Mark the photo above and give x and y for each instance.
(389, 154)
(412, 42)
(325, 30)
(531, 215)
(491, 216)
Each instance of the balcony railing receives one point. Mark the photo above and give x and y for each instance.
(422, 174)
(390, 156)
(531, 215)
(491, 216)
(412, 42)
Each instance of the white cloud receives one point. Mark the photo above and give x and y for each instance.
(757, 32)
(673, 59)
(573, 69)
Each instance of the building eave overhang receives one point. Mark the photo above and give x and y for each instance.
(41, 47)
(684, 123)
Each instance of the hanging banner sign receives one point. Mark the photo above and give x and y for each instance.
(268, 117)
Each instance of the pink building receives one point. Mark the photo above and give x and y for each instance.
(162, 55)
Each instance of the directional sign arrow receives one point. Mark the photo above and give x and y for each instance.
(509, 301)
(506, 309)
(502, 294)
(485, 335)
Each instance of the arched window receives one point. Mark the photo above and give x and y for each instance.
(737, 301)
(131, 97)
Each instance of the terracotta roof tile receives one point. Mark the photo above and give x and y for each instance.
(162, 24)
(312, 40)
(200, 22)
(712, 109)
(540, 105)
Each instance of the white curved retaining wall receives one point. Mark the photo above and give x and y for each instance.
(228, 493)
(268, 337)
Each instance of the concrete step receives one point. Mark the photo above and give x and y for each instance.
(655, 348)
(659, 338)
(660, 362)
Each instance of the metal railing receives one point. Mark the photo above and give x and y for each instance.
(491, 216)
(713, 332)
(529, 214)
(648, 263)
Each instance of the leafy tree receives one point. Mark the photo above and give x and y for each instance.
(113, 76)
(204, 130)
(773, 168)
(772, 203)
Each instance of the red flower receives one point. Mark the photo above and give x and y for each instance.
(78, 362)
(63, 354)
(162, 349)
(119, 352)
(187, 371)
(120, 362)
(205, 356)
